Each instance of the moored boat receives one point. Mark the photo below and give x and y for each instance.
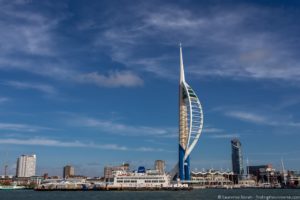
(11, 187)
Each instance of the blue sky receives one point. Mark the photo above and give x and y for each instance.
(95, 83)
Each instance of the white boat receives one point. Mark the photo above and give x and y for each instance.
(124, 179)
(11, 187)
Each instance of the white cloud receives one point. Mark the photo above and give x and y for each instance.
(211, 130)
(122, 129)
(150, 149)
(32, 37)
(217, 133)
(74, 144)
(118, 128)
(262, 118)
(22, 127)
(170, 18)
(249, 117)
(223, 136)
(114, 79)
(62, 72)
(57, 143)
(222, 45)
(25, 31)
(289, 101)
(48, 89)
(109, 147)
(293, 124)
(3, 99)
(42, 142)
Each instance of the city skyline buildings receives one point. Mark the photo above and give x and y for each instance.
(96, 84)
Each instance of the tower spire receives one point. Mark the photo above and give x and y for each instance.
(182, 77)
(190, 123)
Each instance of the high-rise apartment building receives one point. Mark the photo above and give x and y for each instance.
(160, 166)
(26, 165)
(68, 171)
(108, 171)
(237, 157)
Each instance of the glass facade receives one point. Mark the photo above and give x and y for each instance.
(237, 157)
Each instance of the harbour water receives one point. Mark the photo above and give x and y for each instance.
(206, 194)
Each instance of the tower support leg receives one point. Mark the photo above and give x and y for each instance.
(187, 172)
(181, 163)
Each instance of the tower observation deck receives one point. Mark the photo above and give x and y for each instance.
(190, 123)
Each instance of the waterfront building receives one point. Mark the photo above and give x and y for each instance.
(26, 165)
(293, 179)
(160, 166)
(108, 171)
(190, 123)
(256, 170)
(69, 171)
(211, 178)
(237, 157)
(264, 173)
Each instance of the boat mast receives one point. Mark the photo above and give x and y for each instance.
(283, 172)
(248, 175)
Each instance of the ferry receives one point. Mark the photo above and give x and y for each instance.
(143, 180)
(139, 180)
(122, 180)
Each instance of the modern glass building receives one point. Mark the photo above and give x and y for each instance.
(190, 123)
(237, 157)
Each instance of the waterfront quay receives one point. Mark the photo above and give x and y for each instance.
(207, 194)
(111, 188)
